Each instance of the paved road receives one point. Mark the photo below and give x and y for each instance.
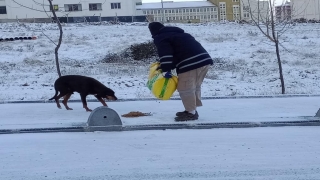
(282, 153)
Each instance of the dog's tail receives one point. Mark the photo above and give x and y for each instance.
(54, 95)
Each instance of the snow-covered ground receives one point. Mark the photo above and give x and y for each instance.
(47, 115)
(284, 153)
(245, 59)
(245, 65)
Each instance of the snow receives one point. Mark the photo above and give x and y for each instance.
(245, 65)
(245, 60)
(47, 115)
(286, 153)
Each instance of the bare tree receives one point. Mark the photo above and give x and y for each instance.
(56, 50)
(56, 19)
(263, 16)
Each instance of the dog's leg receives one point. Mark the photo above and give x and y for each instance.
(65, 101)
(57, 99)
(101, 100)
(57, 102)
(84, 102)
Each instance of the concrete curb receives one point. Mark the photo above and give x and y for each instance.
(165, 127)
(154, 99)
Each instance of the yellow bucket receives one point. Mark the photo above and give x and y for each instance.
(161, 87)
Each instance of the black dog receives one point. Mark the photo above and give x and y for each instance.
(66, 85)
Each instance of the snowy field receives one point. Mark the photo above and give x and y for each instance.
(245, 62)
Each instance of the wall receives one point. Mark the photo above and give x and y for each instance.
(307, 9)
(17, 11)
(229, 14)
(259, 9)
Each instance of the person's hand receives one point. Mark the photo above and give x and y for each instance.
(167, 74)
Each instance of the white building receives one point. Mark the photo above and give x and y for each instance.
(258, 9)
(283, 12)
(189, 11)
(306, 9)
(70, 10)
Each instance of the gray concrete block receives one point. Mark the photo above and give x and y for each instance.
(104, 117)
(318, 113)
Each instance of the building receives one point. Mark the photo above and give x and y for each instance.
(235, 10)
(189, 11)
(305, 9)
(257, 10)
(228, 9)
(283, 12)
(71, 10)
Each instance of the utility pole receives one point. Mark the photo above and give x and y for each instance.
(162, 12)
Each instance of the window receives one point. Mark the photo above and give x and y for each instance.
(246, 15)
(95, 7)
(246, 8)
(55, 7)
(3, 10)
(144, 12)
(73, 7)
(222, 5)
(235, 0)
(236, 11)
(115, 5)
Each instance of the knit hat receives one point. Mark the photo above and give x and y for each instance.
(155, 27)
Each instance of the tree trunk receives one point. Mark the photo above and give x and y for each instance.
(280, 66)
(56, 50)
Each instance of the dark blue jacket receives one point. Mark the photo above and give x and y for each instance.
(180, 50)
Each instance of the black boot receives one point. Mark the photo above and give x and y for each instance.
(187, 117)
(181, 113)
